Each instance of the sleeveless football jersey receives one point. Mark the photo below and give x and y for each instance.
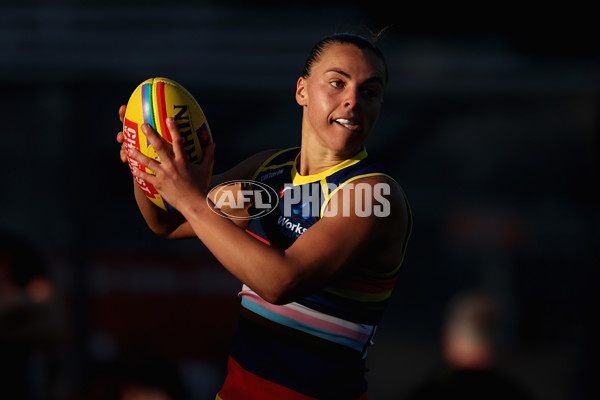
(315, 347)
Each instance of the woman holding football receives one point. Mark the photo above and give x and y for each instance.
(316, 282)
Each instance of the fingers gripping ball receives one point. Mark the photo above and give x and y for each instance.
(152, 102)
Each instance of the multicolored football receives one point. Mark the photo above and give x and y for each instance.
(152, 102)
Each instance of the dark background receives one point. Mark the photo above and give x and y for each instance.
(490, 123)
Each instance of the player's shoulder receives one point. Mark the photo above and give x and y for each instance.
(381, 180)
(385, 192)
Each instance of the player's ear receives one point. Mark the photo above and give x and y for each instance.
(301, 95)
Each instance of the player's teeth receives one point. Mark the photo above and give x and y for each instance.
(344, 121)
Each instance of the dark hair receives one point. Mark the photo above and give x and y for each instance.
(354, 39)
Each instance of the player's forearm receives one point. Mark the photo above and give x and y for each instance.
(161, 222)
(264, 268)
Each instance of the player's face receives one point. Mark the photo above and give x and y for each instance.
(342, 96)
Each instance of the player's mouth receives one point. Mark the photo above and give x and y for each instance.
(348, 123)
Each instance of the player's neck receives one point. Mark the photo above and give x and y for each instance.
(316, 159)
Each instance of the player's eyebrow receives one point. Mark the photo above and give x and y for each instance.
(374, 78)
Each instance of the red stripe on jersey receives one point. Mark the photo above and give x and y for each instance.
(254, 235)
(241, 384)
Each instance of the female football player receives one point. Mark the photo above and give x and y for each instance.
(318, 268)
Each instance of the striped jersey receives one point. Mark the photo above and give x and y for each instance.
(315, 347)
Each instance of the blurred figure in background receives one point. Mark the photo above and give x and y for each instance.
(469, 351)
(31, 325)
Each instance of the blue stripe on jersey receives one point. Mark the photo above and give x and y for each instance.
(289, 322)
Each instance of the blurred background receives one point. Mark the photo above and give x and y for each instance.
(490, 123)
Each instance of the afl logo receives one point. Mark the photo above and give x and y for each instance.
(232, 197)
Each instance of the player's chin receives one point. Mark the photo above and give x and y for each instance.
(354, 132)
(349, 144)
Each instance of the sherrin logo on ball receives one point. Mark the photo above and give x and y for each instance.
(152, 102)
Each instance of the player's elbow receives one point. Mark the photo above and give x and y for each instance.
(160, 231)
(165, 231)
(280, 292)
(275, 296)
(280, 281)
(291, 292)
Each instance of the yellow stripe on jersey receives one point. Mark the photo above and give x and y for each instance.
(298, 179)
